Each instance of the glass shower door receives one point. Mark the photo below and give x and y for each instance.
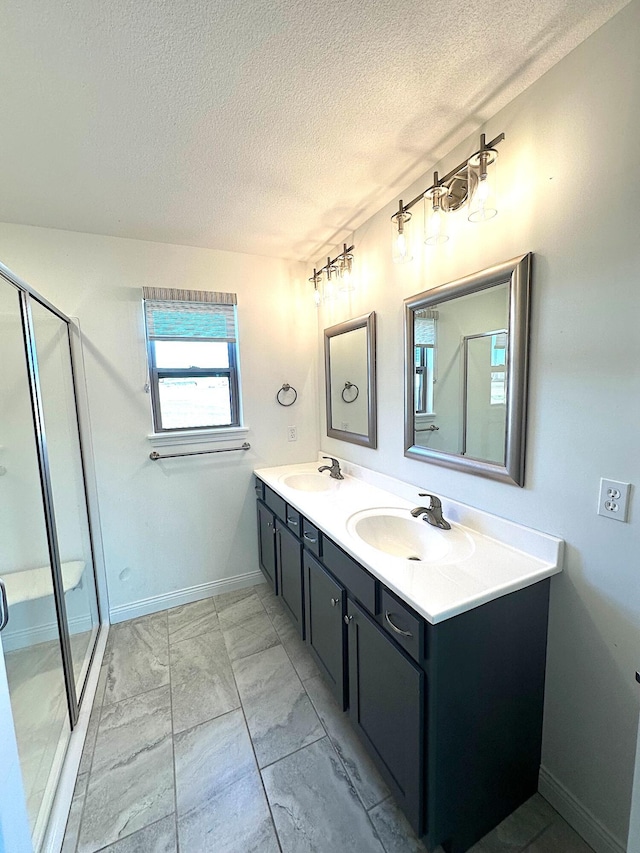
(31, 640)
(57, 394)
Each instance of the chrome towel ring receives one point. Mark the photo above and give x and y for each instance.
(285, 389)
(348, 386)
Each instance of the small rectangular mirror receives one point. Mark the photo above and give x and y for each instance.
(350, 380)
(466, 372)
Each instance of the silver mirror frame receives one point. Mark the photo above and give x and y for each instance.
(368, 322)
(517, 274)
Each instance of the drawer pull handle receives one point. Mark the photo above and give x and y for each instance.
(395, 628)
(269, 524)
(309, 538)
(335, 601)
(292, 521)
(347, 619)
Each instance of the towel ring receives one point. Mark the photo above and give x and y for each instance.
(286, 387)
(347, 387)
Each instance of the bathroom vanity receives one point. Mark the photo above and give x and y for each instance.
(433, 641)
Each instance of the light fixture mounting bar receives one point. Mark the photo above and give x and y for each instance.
(331, 261)
(498, 139)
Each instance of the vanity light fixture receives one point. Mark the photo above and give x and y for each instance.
(471, 182)
(337, 269)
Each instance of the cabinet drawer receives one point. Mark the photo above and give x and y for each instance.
(294, 521)
(400, 622)
(275, 503)
(311, 537)
(259, 486)
(359, 583)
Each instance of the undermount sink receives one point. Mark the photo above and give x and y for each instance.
(396, 533)
(308, 481)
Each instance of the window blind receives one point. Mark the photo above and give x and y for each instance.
(173, 314)
(424, 327)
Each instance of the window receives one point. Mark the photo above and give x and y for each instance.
(193, 359)
(424, 359)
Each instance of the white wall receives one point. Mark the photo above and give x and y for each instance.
(170, 527)
(569, 177)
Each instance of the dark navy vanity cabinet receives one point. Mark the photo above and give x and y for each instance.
(451, 713)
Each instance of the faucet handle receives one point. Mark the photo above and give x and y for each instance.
(335, 461)
(434, 503)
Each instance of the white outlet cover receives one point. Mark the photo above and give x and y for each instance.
(613, 499)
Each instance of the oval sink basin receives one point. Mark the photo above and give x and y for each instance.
(396, 533)
(308, 482)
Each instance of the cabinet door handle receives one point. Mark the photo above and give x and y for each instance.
(292, 521)
(395, 628)
(269, 524)
(4, 615)
(347, 619)
(335, 601)
(309, 538)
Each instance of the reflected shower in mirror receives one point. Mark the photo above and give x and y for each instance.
(466, 366)
(349, 350)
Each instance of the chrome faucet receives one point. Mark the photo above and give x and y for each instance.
(432, 514)
(334, 468)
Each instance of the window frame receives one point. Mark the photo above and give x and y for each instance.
(156, 373)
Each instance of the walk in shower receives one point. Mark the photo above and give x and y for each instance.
(46, 549)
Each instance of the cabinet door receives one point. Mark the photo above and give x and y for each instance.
(267, 544)
(386, 706)
(325, 609)
(290, 574)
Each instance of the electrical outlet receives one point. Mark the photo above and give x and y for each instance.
(292, 433)
(345, 426)
(613, 499)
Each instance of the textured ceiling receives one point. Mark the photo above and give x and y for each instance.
(263, 126)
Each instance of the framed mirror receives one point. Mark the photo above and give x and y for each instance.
(350, 380)
(466, 372)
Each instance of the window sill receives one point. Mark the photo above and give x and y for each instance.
(196, 436)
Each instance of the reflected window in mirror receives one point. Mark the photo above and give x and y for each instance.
(350, 354)
(465, 385)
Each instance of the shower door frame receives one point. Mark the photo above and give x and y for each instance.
(26, 294)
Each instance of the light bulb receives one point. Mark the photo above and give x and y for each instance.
(434, 216)
(316, 297)
(482, 173)
(401, 236)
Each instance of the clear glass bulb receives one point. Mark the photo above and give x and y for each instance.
(401, 237)
(482, 173)
(435, 231)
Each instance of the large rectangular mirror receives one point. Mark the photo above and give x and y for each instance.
(350, 380)
(466, 372)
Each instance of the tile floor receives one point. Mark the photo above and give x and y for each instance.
(212, 732)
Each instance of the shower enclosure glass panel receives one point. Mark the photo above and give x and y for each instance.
(31, 639)
(67, 484)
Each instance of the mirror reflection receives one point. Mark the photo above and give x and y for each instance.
(350, 380)
(466, 372)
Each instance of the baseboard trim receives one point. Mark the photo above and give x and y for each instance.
(579, 817)
(154, 603)
(23, 637)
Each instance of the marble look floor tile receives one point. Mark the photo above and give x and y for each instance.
(246, 628)
(263, 589)
(220, 799)
(558, 836)
(131, 779)
(363, 774)
(394, 830)
(160, 837)
(191, 620)
(90, 739)
(279, 713)
(202, 682)
(519, 828)
(137, 657)
(314, 805)
(295, 647)
(75, 813)
(230, 599)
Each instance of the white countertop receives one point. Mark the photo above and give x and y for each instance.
(501, 556)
